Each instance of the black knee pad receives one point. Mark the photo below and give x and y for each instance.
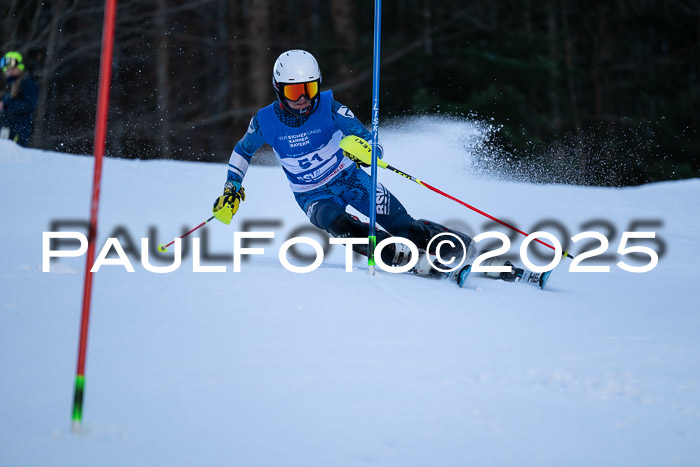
(322, 213)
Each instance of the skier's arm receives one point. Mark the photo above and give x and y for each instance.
(226, 205)
(346, 122)
(242, 154)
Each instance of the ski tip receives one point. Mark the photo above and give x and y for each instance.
(462, 276)
(544, 278)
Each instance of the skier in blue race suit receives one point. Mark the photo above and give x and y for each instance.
(304, 128)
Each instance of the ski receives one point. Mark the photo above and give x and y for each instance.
(459, 276)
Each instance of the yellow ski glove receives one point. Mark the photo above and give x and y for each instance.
(226, 205)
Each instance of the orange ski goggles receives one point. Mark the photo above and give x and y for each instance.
(294, 91)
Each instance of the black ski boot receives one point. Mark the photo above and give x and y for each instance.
(517, 274)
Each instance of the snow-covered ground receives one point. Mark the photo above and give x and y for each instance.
(266, 367)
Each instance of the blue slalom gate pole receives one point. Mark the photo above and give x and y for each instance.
(375, 136)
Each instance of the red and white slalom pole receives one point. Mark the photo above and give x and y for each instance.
(99, 149)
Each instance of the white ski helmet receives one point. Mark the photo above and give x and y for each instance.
(295, 67)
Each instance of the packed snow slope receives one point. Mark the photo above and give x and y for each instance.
(267, 367)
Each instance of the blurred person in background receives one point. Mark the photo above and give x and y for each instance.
(18, 101)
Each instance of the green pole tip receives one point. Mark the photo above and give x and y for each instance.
(78, 402)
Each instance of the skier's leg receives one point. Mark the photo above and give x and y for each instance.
(422, 231)
(327, 212)
(392, 215)
(354, 187)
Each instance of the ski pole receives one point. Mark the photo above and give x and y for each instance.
(105, 79)
(361, 150)
(375, 136)
(164, 248)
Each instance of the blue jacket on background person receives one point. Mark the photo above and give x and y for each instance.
(20, 98)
